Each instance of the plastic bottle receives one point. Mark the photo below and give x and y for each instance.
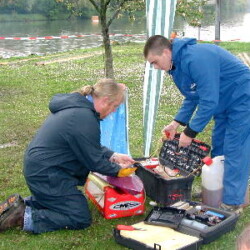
(212, 180)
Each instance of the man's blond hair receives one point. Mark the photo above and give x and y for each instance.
(104, 87)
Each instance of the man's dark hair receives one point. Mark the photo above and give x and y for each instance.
(157, 44)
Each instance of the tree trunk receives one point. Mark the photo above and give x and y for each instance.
(109, 71)
(217, 21)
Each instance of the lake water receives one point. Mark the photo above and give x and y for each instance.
(234, 26)
(58, 28)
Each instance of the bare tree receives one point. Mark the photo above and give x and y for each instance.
(102, 7)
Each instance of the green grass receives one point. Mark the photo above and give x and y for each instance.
(25, 90)
(236, 47)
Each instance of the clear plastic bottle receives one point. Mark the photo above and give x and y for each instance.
(212, 180)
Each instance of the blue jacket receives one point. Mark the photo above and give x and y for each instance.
(206, 75)
(67, 147)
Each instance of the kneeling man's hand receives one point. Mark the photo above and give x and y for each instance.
(123, 160)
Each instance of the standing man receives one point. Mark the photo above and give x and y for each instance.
(59, 158)
(215, 85)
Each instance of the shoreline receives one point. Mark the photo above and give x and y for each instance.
(13, 18)
(234, 47)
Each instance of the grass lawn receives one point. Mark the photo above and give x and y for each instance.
(25, 90)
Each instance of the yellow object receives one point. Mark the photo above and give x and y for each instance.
(98, 181)
(126, 172)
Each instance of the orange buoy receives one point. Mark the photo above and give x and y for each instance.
(95, 19)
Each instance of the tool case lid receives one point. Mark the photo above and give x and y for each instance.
(186, 159)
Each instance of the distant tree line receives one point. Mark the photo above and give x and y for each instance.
(51, 9)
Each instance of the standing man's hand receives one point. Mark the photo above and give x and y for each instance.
(123, 160)
(184, 140)
(170, 130)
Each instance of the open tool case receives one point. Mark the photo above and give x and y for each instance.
(169, 228)
(186, 160)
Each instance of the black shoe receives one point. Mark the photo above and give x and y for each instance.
(12, 212)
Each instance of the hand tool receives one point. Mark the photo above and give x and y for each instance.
(128, 228)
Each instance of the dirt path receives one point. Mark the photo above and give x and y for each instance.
(53, 59)
(66, 59)
(25, 60)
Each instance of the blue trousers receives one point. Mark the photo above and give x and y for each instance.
(50, 213)
(231, 138)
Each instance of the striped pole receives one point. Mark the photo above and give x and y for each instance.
(160, 18)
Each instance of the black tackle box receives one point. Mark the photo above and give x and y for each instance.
(187, 160)
(168, 191)
(169, 228)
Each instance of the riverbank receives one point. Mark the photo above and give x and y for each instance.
(25, 90)
(22, 17)
(30, 17)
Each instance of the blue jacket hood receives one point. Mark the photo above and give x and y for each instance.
(178, 45)
(67, 101)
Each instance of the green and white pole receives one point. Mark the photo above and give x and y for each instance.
(160, 19)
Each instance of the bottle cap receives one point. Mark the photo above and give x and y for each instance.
(152, 203)
(207, 160)
(154, 159)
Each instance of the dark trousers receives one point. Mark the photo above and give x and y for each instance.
(50, 213)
